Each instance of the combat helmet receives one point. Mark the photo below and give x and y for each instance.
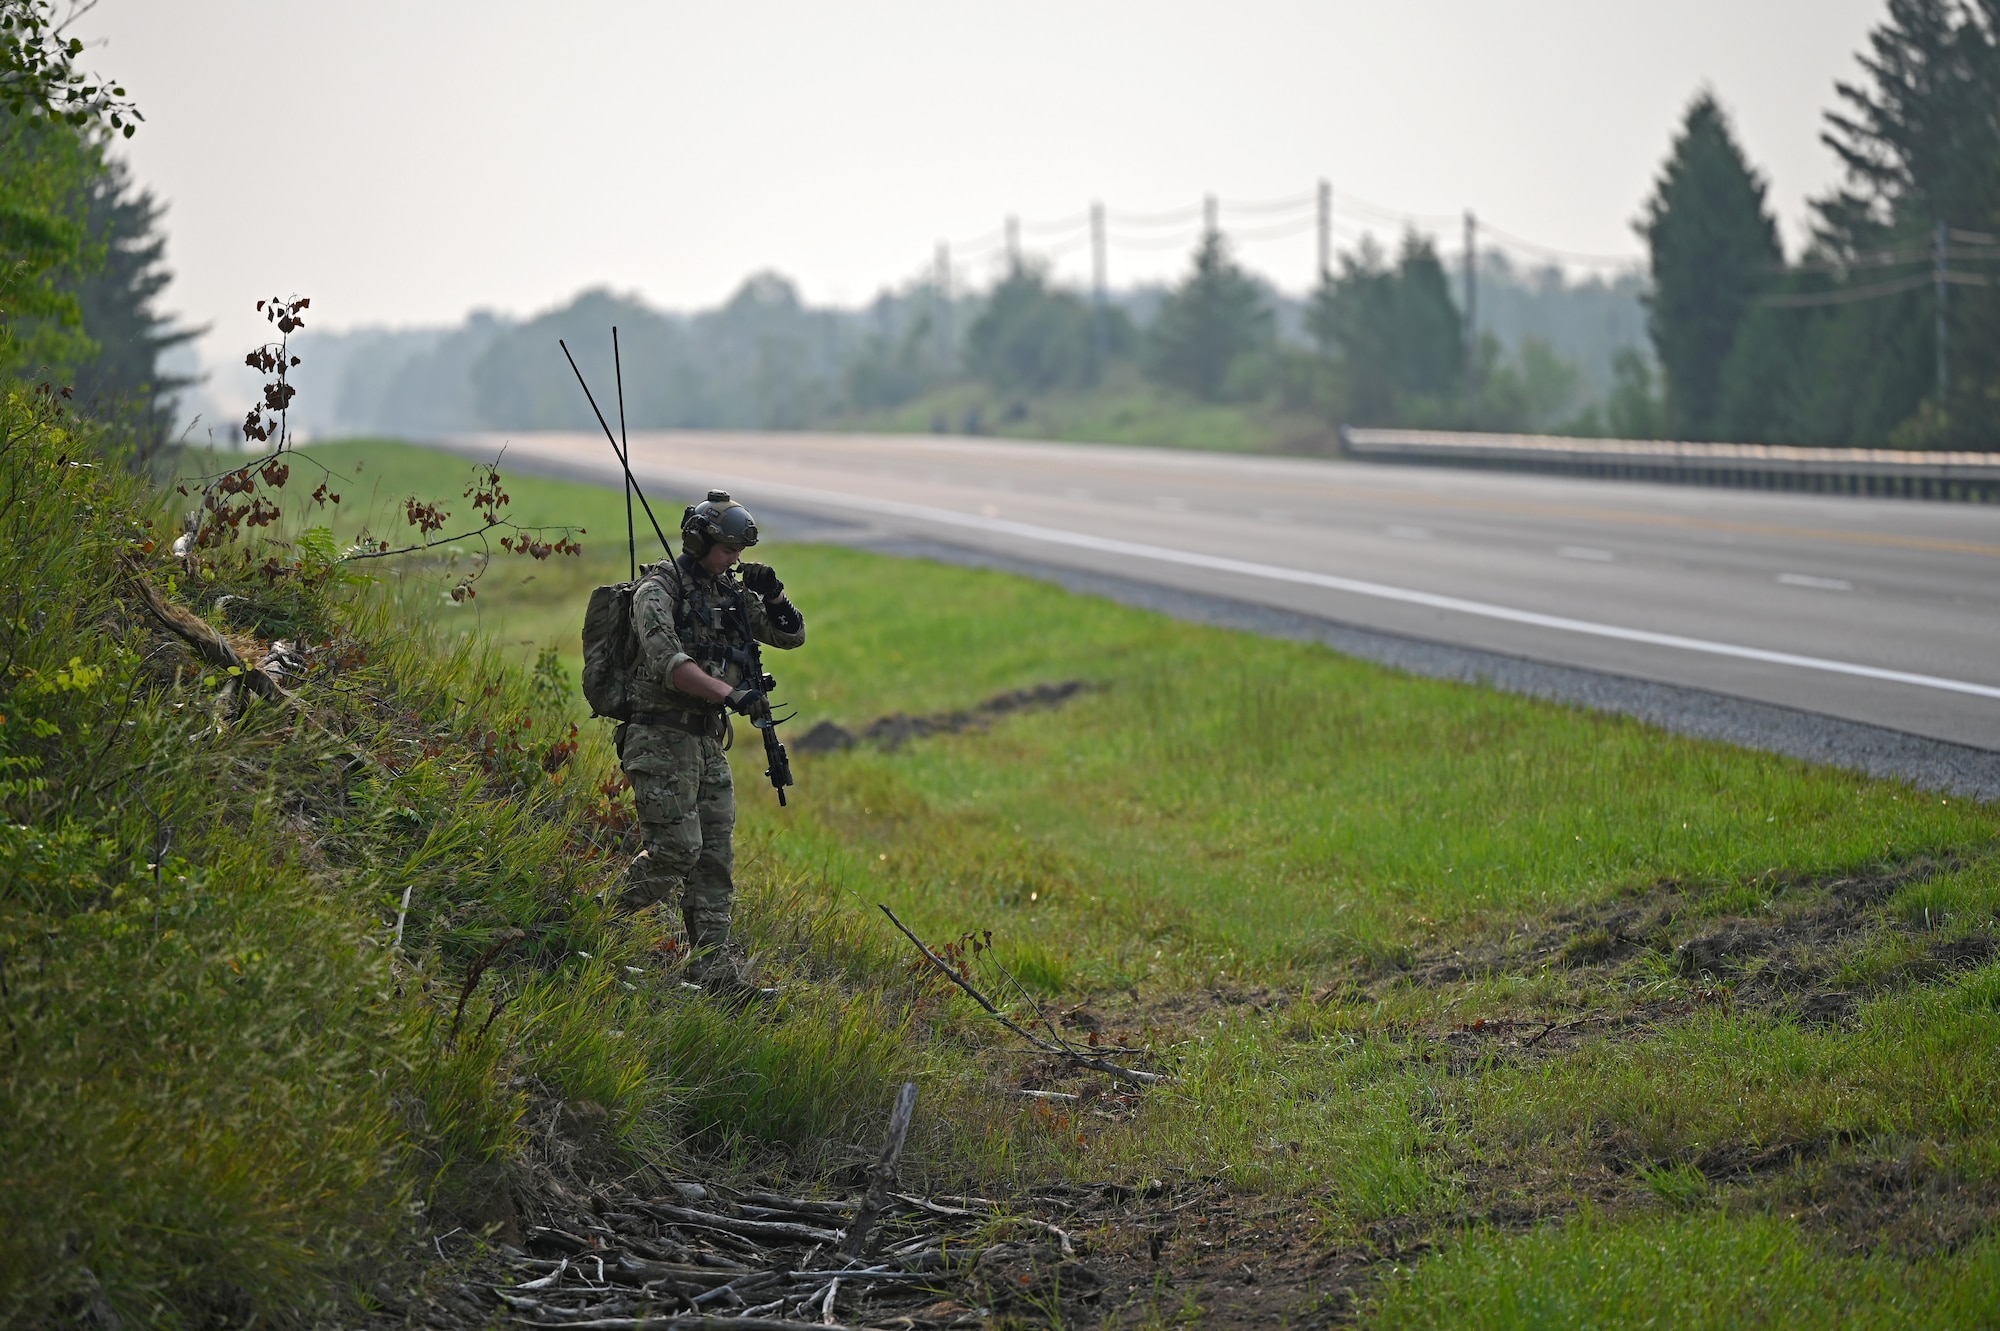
(716, 519)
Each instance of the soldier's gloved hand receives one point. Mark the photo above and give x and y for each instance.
(761, 579)
(749, 702)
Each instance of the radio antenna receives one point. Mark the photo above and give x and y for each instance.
(630, 479)
(618, 368)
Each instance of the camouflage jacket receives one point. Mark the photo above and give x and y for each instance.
(680, 613)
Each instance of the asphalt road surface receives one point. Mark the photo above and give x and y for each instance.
(1883, 612)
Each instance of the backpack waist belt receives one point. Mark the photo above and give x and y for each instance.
(707, 725)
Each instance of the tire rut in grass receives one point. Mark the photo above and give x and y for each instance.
(893, 731)
(1787, 957)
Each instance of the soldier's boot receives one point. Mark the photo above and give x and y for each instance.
(713, 963)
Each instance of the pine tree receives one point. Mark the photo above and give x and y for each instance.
(116, 296)
(1920, 141)
(1032, 337)
(1209, 322)
(1714, 250)
(1394, 332)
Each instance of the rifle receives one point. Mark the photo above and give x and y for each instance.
(780, 770)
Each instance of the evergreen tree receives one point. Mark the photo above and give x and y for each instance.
(1033, 337)
(116, 298)
(1714, 250)
(46, 168)
(1394, 332)
(1920, 141)
(1207, 324)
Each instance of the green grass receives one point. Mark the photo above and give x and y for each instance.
(1699, 1271)
(1298, 879)
(1125, 409)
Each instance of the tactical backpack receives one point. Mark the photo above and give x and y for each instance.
(611, 652)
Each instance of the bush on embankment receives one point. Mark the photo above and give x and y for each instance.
(285, 980)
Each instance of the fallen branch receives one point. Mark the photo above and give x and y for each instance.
(208, 644)
(694, 1322)
(508, 937)
(1058, 1049)
(768, 1230)
(1552, 1028)
(760, 1201)
(1060, 1236)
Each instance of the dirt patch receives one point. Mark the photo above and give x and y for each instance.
(1787, 956)
(899, 728)
(1190, 1252)
(1910, 1206)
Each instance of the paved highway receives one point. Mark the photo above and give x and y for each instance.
(1885, 612)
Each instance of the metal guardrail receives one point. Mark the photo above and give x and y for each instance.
(1973, 477)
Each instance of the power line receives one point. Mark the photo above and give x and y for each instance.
(1806, 300)
(1278, 231)
(1575, 256)
(1175, 241)
(1057, 227)
(1073, 232)
(1155, 219)
(1392, 214)
(1291, 203)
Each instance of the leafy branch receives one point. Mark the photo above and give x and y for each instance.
(231, 501)
(38, 70)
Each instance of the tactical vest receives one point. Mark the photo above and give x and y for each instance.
(713, 621)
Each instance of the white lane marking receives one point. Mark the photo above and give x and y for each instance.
(1589, 552)
(1108, 545)
(1402, 533)
(1822, 584)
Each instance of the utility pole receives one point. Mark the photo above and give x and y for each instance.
(1325, 233)
(942, 280)
(1209, 216)
(1097, 280)
(1013, 245)
(1471, 296)
(1943, 365)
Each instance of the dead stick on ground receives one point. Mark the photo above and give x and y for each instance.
(1046, 1046)
(211, 646)
(882, 1174)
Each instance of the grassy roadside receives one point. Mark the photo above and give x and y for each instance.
(1542, 1017)
(1125, 409)
(1496, 1009)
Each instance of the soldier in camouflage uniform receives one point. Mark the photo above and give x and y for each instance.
(694, 617)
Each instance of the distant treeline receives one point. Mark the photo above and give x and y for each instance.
(766, 359)
(1884, 330)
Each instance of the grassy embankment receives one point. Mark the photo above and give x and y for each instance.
(1125, 409)
(1323, 890)
(1754, 1079)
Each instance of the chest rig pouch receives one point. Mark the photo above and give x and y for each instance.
(713, 620)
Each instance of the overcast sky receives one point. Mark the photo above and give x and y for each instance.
(404, 163)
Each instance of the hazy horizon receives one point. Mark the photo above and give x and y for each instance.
(406, 165)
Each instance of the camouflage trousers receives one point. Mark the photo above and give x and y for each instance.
(687, 816)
